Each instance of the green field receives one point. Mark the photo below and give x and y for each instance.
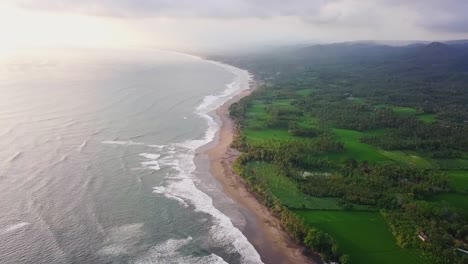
(453, 164)
(355, 149)
(362, 232)
(406, 111)
(256, 135)
(407, 158)
(459, 180)
(456, 200)
(428, 118)
(410, 111)
(365, 236)
(286, 190)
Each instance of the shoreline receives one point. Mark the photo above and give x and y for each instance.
(262, 229)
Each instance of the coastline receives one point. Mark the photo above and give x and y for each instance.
(262, 229)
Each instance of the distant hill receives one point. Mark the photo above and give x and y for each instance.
(456, 42)
(432, 56)
(427, 75)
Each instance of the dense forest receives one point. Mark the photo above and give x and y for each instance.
(360, 127)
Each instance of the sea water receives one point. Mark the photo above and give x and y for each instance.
(96, 158)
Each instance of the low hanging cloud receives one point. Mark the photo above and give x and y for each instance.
(243, 22)
(441, 15)
(437, 15)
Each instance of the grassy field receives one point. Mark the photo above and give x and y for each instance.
(453, 164)
(365, 236)
(286, 190)
(257, 117)
(355, 149)
(361, 233)
(255, 135)
(408, 158)
(456, 200)
(405, 111)
(428, 118)
(409, 111)
(288, 193)
(458, 180)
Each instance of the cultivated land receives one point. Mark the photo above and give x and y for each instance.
(361, 232)
(365, 236)
(363, 157)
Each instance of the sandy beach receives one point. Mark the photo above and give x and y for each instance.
(263, 230)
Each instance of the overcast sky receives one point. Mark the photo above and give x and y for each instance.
(182, 24)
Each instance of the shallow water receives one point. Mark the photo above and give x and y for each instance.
(96, 159)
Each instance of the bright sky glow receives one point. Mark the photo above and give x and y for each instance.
(209, 24)
(24, 29)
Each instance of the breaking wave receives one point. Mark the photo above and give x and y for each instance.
(181, 185)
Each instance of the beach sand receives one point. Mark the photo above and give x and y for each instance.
(262, 229)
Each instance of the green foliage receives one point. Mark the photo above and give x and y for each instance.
(322, 242)
(382, 123)
(458, 180)
(441, 226)
(285, 189)
(290, 221)
(364, 236)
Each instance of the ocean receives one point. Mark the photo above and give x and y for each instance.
(97, 155)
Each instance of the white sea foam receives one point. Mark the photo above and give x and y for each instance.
(152, 156)
(167, 252)
(155, 146)
(83, 145)
(122, 240)
(124, 143)
(181, 186)
(13, 228)
(15, 156)
(159, 189)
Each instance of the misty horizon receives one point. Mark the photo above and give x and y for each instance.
(227, 25)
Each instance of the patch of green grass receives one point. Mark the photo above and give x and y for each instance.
(357, 150)
(382, 106)
(354, 148)
(409, 111)
(365, 236)
(309, 122)
(357, 100)
(427, 118)
(457, 200)
(305, 92)
(453, 164)
(257, 111)
(287, 191)
(458, 180)
(405, 111)
(410, 159)
(256, 135)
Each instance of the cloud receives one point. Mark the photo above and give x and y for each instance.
(233, 23)
(436, 15)
(180, 8)
(441, 15)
